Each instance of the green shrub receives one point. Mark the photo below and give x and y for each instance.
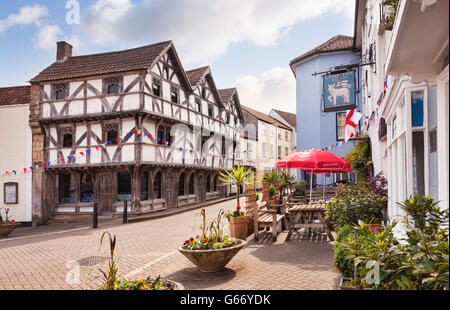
(300, 188)
(272, 191)
(354, 203)
(342, 261)
(419, 262)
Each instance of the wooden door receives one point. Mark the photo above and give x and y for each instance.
(106, 193)
(171, 191)
(201, 188)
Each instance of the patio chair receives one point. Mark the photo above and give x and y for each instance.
(266, 217)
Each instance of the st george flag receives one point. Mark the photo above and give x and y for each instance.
(351, 122)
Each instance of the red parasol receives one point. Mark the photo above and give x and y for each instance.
(315, 161)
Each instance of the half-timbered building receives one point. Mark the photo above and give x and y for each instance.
(129, 125)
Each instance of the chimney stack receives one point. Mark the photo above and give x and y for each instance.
(63, 50)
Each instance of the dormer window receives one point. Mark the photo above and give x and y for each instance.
(67, 137)
(174, 95)
(112, 86)
(60, 91)
(156, 87)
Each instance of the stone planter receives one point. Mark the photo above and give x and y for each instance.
(238, 227)
(213, 260)
(350, 288)
(176, 286)
(6, 229)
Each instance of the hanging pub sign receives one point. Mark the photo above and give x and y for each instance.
(339, 91)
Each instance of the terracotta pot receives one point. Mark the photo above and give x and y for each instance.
(250, 225)
(375, 227)
(238, 227)
(213, 260)
(6, 229)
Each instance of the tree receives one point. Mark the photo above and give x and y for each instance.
(238, 177)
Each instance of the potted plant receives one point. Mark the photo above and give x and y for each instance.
(238, 223)
(239, 177)
(7, 225)
(212, 250)
(111, 281)
(272, 194)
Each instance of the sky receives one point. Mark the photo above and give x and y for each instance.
(247, 43)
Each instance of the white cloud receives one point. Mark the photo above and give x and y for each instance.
(47, 37)
(201, 29)
(27, 15)
(274, 89)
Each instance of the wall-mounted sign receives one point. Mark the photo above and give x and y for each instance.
(339, 91)
(10, 191)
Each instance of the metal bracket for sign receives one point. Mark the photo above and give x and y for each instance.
(342, 69)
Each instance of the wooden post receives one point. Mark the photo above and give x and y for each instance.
(95, 216)
(125, 212)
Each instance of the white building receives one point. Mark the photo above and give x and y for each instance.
(15, 153)
(405, 94)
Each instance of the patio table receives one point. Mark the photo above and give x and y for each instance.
(310, 216)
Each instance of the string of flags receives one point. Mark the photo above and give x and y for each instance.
(375, 114)
(71, 158)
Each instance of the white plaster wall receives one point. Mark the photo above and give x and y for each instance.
(131, 102)
(94, 105)
(97, 84)
(15, 145)
(127, 79)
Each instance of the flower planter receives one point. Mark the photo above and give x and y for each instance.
(250, 225)
(212, 260)
(6, 229)
(238, 227)
(347, 287)
(375, 227)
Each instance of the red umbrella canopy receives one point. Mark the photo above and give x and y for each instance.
(315, 161)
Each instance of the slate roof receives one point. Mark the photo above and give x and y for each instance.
(290, 118)
(335, 44)
(15, 95)
(95, 64)
(264, 117)
(195, 75)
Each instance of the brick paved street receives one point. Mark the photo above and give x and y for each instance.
(149, 248)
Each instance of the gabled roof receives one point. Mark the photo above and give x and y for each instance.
(15, 95)
(196, 75)
(335, 44)
(264, 117)
(290, 118)
(227, 94)
(134, 59)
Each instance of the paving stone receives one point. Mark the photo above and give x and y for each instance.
(40, 262)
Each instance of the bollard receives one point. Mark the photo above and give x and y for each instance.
(125, 213)
(95, 216)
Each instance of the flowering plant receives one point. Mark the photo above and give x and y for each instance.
(212, 236)
(236, 213)
(6, 220)
(210, 242)
(140, 285)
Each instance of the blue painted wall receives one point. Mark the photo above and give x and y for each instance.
(315, 128)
